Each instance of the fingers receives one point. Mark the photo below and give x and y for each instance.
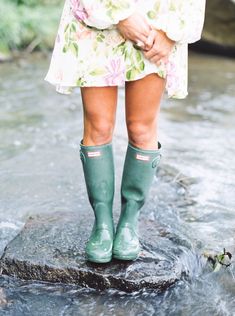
(140, 38)
(150, 40)
(160, 50)
(134, 28)
(156, 56)
(145, 27)
(154, 51)
(141, 27)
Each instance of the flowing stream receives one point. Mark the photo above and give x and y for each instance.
(40, 172)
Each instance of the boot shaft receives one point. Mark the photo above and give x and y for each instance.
(98, 167)
(139, 170)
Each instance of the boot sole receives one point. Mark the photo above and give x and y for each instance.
(99, 260)
(120, 257)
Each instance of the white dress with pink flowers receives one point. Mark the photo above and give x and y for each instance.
(89, 50)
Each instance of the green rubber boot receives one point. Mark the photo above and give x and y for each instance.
(98, 167)
(139, 170)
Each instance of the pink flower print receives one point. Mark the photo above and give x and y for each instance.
(171, 73)
(78, 11)
(172, 78)
(59, 75)
(116, 72)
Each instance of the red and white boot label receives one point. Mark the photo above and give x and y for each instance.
(143, 158)
(92, 154)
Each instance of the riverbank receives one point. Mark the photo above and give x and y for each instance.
(27, 25)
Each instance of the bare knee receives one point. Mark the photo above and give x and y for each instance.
(142, 134)
(99, 107)
(98, 132)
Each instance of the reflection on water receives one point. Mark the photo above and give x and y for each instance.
(41, 172)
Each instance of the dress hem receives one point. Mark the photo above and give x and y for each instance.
(68, 89)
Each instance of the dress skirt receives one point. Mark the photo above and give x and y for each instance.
(89, 51)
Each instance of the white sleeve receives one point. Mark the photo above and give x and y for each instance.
(181, 20)
(102, 14)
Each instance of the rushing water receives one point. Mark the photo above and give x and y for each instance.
(41, 171)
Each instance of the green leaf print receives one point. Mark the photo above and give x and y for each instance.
(65, 48)
(70, 39)
(66, 28)
(73, 27)
(157, 5)
(81, 82)
(113, 9)
(100, 37)
(66, 37)
(161, 74)
(131, 74)
(172, 6)
(128, 74)
(152, 14)
(74, 48)
(138, 56)
(119, 48)
(97, 72)
(142, 66)
(126, 54)
(139, 65)
(109, 13)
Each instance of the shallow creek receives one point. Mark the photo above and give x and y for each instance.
(40, 172)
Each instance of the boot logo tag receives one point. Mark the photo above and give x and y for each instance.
(93, 154)
(141, 157)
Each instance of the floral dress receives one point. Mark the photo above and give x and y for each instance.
(90, 51)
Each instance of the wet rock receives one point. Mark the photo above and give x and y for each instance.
(51, 248)
(219, 28)
(3, 299)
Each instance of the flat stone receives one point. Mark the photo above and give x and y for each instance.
(51, 248)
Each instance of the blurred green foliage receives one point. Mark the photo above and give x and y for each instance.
(28, 21)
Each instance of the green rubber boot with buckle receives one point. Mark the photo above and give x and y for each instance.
(98, 167)
(139, 170)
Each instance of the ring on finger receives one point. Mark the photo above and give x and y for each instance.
(139, 45)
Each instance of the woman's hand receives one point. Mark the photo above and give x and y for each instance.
(136, 29)
(161, 48)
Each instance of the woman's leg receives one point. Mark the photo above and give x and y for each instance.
(99, 109)
(143, 99)
(99, 106)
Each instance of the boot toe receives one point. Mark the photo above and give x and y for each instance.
(126, 245)
(99, 247)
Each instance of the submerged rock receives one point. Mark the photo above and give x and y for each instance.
(51, 248)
